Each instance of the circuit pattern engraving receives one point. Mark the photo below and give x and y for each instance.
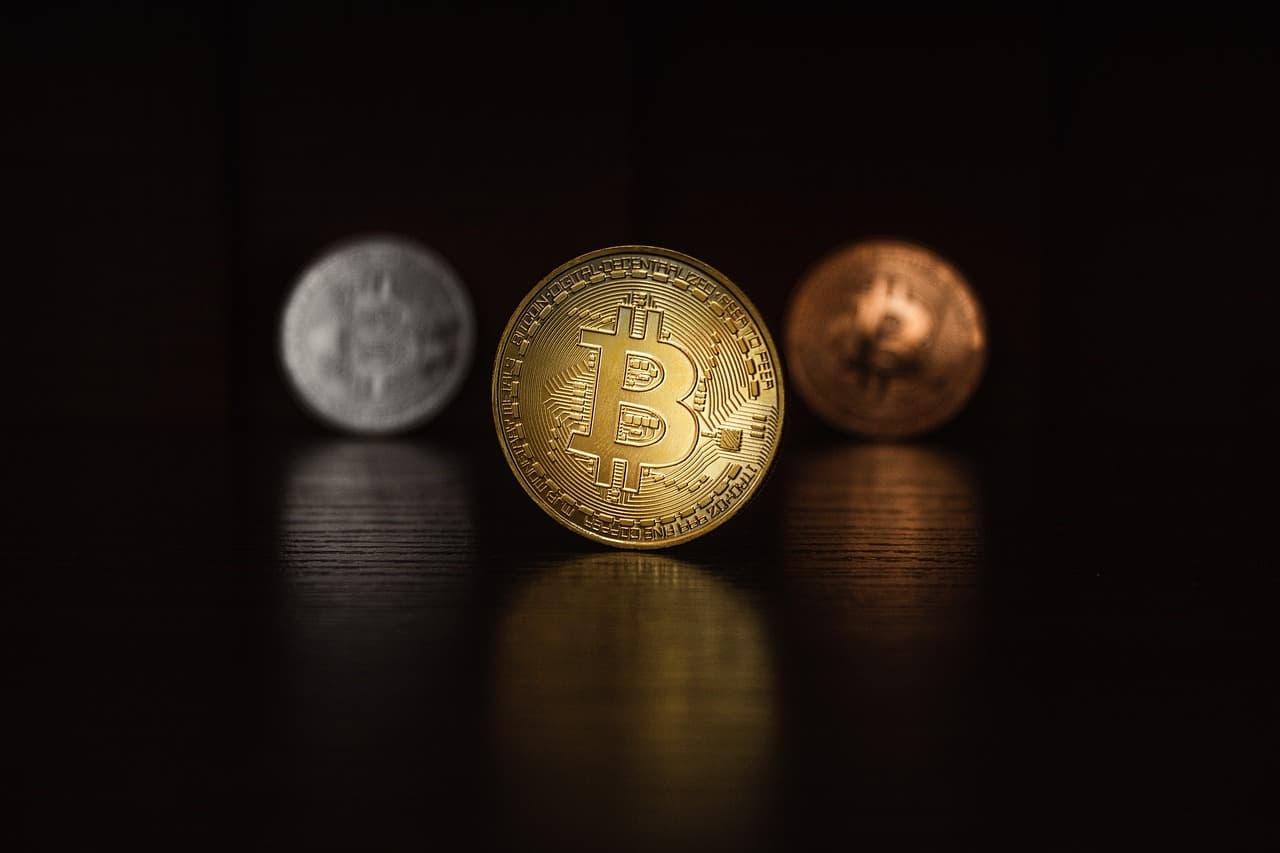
(637, 396)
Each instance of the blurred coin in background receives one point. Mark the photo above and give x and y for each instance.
(377, 335)
(885, 339)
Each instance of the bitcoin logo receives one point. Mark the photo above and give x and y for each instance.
(885, 339)
(885, 331)
(637, 398)
(631, 380)
(382, 335)
(377, 335)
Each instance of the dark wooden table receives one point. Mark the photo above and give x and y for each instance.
(320, 643)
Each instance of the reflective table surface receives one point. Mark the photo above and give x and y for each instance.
(324, 643)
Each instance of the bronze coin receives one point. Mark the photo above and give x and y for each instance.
(885, 339)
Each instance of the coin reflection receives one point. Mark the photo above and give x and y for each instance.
(889, 536)
(374, 540)
(633, 699)
(886, 557)
(364, 523)
(885, 566)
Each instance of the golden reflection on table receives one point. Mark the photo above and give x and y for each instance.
(633, 698)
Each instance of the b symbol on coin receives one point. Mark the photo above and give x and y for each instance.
(886, 339)
(884, 332)
(638, 415)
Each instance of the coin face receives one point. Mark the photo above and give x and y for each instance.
(377, 335)
(885, 339)
(637, 396)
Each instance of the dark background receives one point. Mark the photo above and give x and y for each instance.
(1105, 178)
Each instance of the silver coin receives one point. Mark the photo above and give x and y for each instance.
(377, 335)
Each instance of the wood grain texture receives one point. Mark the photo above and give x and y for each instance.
(328, 644)
(634, 700)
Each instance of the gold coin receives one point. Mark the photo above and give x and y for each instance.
(885, 339)
(638, 397)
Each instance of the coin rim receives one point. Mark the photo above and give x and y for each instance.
(468, 360)
(755, 315)
(807, 391)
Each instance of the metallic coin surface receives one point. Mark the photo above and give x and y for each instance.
(637, 396)
(885, 339)
(377, 335)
